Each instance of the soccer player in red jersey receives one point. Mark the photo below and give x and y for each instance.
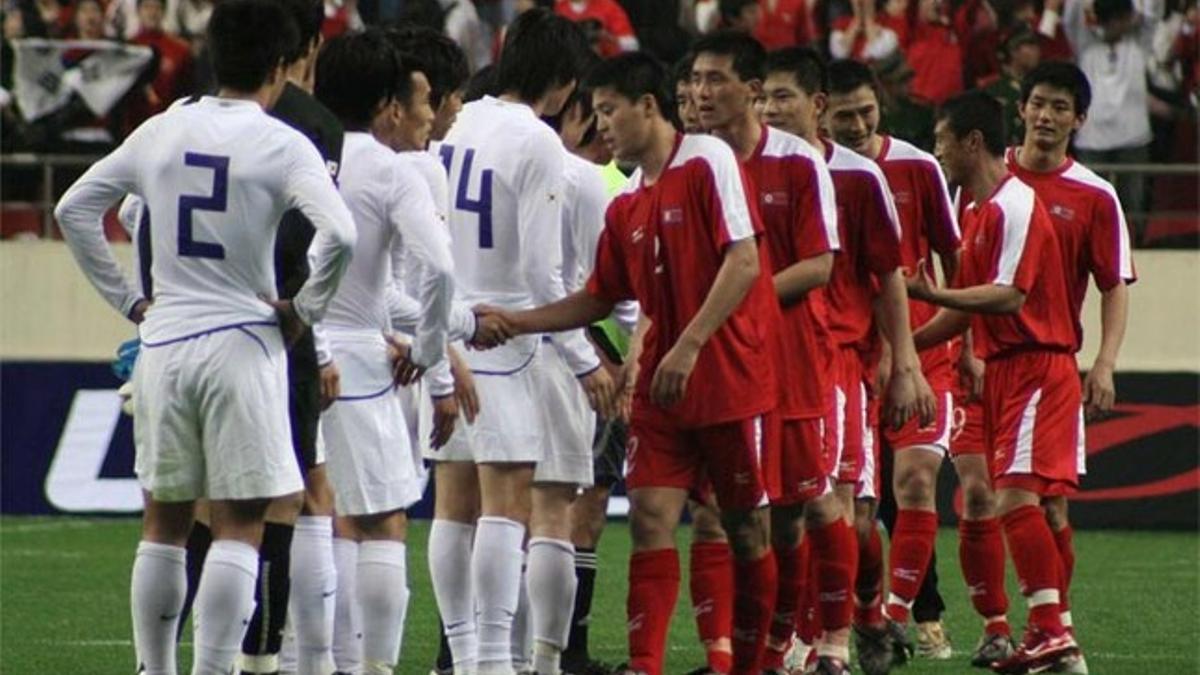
(1012, 291)
(1094, 239)
(865, 271)
(927, 225)
(684, 241)
(794, 193)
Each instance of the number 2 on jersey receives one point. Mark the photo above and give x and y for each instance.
(482, 206)
(217, 202)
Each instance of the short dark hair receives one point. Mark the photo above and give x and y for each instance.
(683, 68)
(634, 75)
(308, 15)
(436, 55)
(977, 111)
(749, 56)
(248, 40)
(846, 76)
(732, 9)
(482, 83)
(1107, 10)
(1060, 75)
(356, 73)
(804, 64)
(541, 51)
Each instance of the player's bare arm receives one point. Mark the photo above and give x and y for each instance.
(1099, 392)
(793, 283)
(908, 393)
(577, 310)
(734, 279)
(944, 325)
(983, 299)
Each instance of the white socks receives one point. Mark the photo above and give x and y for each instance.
(311, 603)
(347, 623)
(551, 581)
(224, 605)
(383, 597)
(156, 596)
(522, 627)
(496, 573)
(449, 555)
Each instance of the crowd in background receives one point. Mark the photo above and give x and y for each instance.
(1142, 56)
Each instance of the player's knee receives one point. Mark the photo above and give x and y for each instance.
(706, 524)
(1056, 513)
(749, 533)
(914, 486)
(650, 529)
(285, 509)
(979, 502)
(786, 524)
(823, 511)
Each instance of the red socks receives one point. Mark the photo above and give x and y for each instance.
(1064, 540)
(808, 628)
(869, 583)
(755, 588)
(711, 585)
(981, 554)
(787, 603)
(1039, 569)
(653, 590)
(912, 545)
(829, 545)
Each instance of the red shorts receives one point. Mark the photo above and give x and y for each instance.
(802, 464)
(966, 435)
(1033, 419)
(849, 416)
(660, 453)
(868, 484)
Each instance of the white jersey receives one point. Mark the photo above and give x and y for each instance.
(505, 168)
(216, 176)
(395, 214)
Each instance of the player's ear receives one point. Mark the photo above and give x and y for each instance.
(756, 88)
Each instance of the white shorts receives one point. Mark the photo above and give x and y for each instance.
(508, 428)
(568, 422)
(211, 417)
(368, 449)
(418, 416)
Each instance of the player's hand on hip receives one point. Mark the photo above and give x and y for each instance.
(464, 386)
(137, 314)
(290, 323)
(445, 414)
(601, 392)
(671, 378)
(493, 327)
(404, 370)
(331, 384)
(1099, 392)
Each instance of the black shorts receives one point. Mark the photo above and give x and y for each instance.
(304, 401)
(609, 452)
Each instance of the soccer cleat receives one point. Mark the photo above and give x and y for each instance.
(874, 650)
(1038, 652)
(992, 648)
(827, 665)
(798, 655)
(703, 670)
(436, 671)
(624, 669)
(903, 649)
(932, 641)
(1072, 662)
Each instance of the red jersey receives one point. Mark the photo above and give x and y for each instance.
(795, 199)
(1010, 241)
(662, 245)
(869, 230)
(172, 79)
(1091, 229)
(936, 59)
(611, 17)
(784, 23)
(927, 224)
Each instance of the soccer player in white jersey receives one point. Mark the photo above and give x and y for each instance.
(505, 168)
(210, 397)
(363, 81)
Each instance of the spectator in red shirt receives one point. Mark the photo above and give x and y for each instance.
(934, 53)
(174, 62)
(784, 23)
(862, 36)
(615, 34)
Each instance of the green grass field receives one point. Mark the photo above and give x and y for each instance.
(64, 601)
